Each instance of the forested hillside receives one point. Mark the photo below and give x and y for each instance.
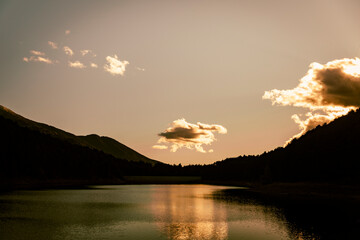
(328, 153)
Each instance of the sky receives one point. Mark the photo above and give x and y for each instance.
(190, 82)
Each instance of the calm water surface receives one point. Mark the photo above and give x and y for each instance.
(139, 212)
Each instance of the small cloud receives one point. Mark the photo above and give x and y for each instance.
(53, 45)
(188, 135)
(68, 51)
(76, 64)
(67, 32)
(84, 52)
(140, 69)
(328, 90)
(87, 52)
(38, 59)
(93, 65)
(160, 147)
(211, 150)
(37, 53)
(114, 66)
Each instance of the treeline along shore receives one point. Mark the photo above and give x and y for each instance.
(35, 155)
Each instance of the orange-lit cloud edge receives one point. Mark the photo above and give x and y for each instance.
(182, 134)
(327, 90)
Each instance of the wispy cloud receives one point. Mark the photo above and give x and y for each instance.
(93, 65)
(76, 64)
(160, 147)
(115, 66)
(87, 52)
(192, 136)
(38, 56)
(68, 51)
(140, 69)
(85, 58)
(38, 59)
(84, 52)
(53, 45)
(328, 91)
(37, 53)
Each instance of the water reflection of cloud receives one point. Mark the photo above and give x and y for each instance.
(193, 212)
(180, 216)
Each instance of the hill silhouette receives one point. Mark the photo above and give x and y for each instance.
(105, 144)
(37, 155)
(36, 151)
(113, 147)
(328, 153)
(312, 176)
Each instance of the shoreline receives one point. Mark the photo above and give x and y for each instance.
(301, 191)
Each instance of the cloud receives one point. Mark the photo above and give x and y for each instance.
(140, 69)
(114, 66)
(87, 57)
(76, 64)
(37, 53)
(53, 45)
(68, 51)
(38, 56)
(38, 59)
(188, 135)
(93, 65)
(160, 147)
(86, 52)
(328, 91)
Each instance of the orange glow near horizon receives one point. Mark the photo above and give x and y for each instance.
(129, 69)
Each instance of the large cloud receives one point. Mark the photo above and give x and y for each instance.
(328, 91)
(192, 136)
(115, 66)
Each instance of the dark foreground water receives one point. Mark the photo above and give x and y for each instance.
(142, 212)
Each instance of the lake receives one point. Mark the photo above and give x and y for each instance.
(142, 212)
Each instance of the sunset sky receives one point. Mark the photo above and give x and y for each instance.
(182, 81)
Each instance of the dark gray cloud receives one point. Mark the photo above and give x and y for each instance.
(192, 136)
(339, 88)
(332, 88)
(181, 133)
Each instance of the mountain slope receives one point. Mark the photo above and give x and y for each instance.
(328, 153)
(105, 144)
(113, 147)
(33, 158)
(41, 156)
